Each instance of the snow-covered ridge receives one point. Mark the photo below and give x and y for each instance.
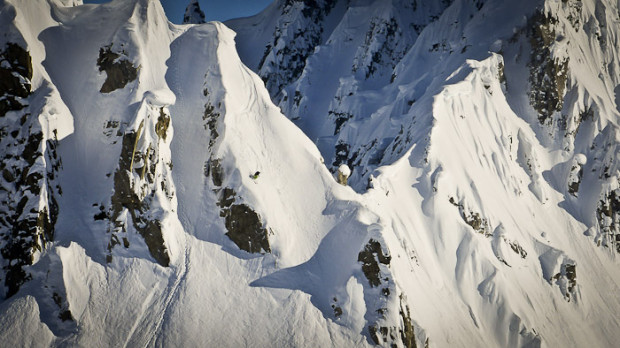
(500, 107)
(158, 171)
(551, 50)
(154, 195)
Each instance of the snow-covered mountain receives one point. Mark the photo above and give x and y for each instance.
(153, 194)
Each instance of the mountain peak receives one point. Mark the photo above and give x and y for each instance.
(193, 13)
(426, 160)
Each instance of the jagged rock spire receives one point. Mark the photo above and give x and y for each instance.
(193, 13)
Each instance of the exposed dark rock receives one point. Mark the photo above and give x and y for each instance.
(337, 309)
(25, 227)
(608, 216)
(211, 117)
(574, 12)
(473, 219)
(567, 279)
(382, 335)
(226, 198)
(373, 334)
(407, 335)
(391, 335)
(370, 258)
(8, 175)
(548, 75)
(501, 74)
(64, 313)
(281, 66)
(15, 275)
(19, 59)
(120, 71)
(297, 97)
(342, 154)
(518, 249)
(102, 215)
(32, 148)
(193, 14)
(163, 122)
(476, 222)
(340, 118)
(575, 180)
(217, 175)
(383, 47)
(244, 225)
(571, 274)
(14, 79)
(125, 197)
(27, 236)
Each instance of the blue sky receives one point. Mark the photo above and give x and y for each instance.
(219, 10)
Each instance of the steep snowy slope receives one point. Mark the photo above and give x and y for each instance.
(507, 113)
(158, 236)
(153, 195)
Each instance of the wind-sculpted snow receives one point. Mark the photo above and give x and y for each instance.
(505, 113)
(437, 174)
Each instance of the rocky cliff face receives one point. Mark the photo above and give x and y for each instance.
(298, 31)
(29, 166)
(32, 122)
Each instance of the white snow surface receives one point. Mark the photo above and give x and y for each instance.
(344, 169)
(473, 148)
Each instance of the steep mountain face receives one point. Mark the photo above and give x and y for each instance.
(144, 198)
(32, 121)
(446, 159)
(500, 116)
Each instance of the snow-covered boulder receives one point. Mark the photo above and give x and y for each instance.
(344, 172)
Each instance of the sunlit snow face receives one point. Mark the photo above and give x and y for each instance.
(179, 201)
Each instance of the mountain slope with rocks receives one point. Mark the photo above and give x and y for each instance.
(423, 160)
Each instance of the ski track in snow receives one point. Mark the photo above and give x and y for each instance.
(172, 295)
